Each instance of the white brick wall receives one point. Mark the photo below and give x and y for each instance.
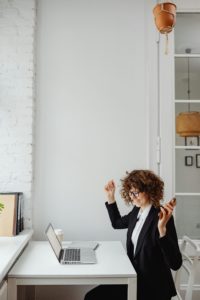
(17, 32)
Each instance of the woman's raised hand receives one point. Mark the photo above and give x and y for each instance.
(165, 214)
(110, 191)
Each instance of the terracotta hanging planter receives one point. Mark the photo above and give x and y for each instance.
(165, 16)
(165, 19)
(188, 124)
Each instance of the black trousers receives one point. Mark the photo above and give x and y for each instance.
(111, 292)
(108, 292)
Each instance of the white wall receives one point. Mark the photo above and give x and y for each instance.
(17, 25)
(185, 5)
(91, 118)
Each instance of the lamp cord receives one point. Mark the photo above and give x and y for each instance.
(188, 91)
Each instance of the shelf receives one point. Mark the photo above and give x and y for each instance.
(186, 101)
(188, 10)
(187, 194)
(187, 55)
(188, 147)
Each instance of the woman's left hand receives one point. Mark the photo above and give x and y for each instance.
(165, 214)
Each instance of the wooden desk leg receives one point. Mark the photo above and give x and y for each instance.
(132, 289)
(12, 289)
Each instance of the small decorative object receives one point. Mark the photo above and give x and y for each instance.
(192, 141)
(188, 161)
(165, 18)
(197, 160)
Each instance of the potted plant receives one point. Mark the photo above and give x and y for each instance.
(1, 207)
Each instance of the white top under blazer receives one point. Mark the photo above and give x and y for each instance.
(141, 217)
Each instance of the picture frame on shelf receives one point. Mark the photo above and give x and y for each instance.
(192, 141)
(189, 161)
(197, 160)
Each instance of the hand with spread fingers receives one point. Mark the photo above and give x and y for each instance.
(165, 214)
(110, 191)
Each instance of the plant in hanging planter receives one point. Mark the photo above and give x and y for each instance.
(165, 18)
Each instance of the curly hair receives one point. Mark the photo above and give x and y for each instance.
(144, 181)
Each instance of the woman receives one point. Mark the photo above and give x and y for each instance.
(152, 244)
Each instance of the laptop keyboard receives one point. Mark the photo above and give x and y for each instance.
(72, 255)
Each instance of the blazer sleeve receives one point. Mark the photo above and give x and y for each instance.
(170, 247)
(117, 221)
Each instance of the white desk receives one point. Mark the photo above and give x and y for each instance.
(38, 265)
(10, 249)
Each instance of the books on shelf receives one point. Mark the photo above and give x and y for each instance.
(11, 217)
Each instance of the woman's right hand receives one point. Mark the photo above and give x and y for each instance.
(110, 191)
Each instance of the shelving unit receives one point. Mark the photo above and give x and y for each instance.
(187, 98)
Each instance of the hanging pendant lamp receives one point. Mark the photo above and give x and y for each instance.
(165, 19)
(188, 124)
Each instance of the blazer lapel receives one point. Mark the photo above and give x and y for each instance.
(144, 230)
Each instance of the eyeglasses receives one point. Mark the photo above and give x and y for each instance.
(134, 194)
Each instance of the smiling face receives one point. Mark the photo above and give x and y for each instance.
(139, 199)
(150, 186)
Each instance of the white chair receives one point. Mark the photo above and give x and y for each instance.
(189, 266)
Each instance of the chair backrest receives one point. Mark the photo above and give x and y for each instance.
(189, 266)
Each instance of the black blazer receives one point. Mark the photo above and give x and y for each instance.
(154, 256)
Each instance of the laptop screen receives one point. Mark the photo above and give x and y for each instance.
(55, 244)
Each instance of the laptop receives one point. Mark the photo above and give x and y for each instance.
(69, 255)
